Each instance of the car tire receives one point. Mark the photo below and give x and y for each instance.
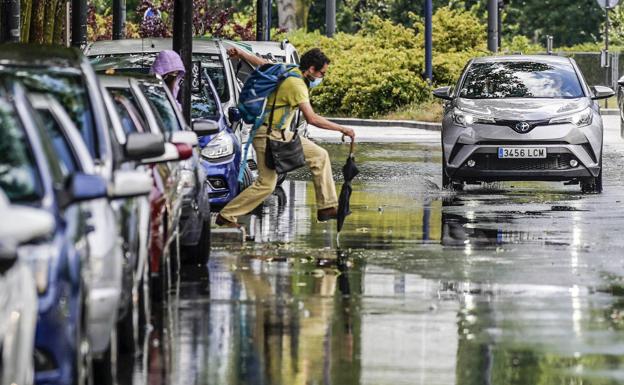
(104, 367)
(450, 184)
(200, 253)
(248, 178)
(592, 185)
(83, 369)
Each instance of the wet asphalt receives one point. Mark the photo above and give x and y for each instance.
(508, 283)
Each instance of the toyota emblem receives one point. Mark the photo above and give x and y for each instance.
(522, 126)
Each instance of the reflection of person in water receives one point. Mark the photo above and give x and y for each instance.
(345, 289)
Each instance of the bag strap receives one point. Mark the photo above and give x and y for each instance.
(269, 129)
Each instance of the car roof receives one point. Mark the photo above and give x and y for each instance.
(39, 55)
(520, 58)
(147, 45)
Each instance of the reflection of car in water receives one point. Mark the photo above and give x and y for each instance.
(214, 100)
(522, 118)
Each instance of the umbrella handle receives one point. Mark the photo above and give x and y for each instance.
(352, 146)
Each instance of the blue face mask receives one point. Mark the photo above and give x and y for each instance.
(315, 82)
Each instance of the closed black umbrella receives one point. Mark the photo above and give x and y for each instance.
(349, 171)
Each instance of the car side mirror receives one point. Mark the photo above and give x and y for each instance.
(170, 155)
(185, 151)
(621, 81)
(186, 137)
(22, 225)
(234, 115)
(141, 145)
(602, 92)
(130, 184)
(205, 127)
(82, 187)
(443, 93)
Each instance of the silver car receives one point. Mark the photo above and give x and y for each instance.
(522, 118)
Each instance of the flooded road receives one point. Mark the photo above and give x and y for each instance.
(509, 283)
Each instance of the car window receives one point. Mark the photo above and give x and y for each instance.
(203, 103)
(162, 107)
(142, 63)
(69, 89)
(131, 119)
(19, 176)
(66, 159)
(521, 79)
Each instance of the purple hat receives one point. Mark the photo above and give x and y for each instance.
(166, 62)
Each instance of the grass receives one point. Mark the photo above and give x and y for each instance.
(427, 112)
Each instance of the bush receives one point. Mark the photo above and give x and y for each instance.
(379, 69)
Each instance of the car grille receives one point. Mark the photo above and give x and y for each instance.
(492, 162)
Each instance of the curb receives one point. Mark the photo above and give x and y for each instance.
(388, 123)
(416, 124)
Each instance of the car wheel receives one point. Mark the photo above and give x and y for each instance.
(281, 178)
(104, 367)
(449, 183)
(83, 369)
(248, 178)
(201, 252)
(592, 185)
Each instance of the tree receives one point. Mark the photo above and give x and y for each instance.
(570, 22)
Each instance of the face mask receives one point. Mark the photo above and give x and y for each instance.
(315, 82)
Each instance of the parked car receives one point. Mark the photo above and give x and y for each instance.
(150, 97)
(216, 92)
(166, 199)
(110, 270)
(18, 315)
(68, 77)
(522, 118)
(33, 175)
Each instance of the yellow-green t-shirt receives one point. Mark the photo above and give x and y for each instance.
(292, 92)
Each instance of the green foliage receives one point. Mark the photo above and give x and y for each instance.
(379, 69)
(521, 44)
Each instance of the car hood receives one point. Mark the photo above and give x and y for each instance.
(522, 108)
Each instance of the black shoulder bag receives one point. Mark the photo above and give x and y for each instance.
(283, 156)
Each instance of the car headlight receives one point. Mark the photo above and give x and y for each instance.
(579, 119)
(187, 179)
(37, 257)
(466, 119)
(219, 147)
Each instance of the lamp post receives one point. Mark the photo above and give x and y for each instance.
(183, 45)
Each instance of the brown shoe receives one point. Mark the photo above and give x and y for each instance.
(222, 222)
(326, 214)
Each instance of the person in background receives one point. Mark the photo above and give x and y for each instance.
(293, 93)
(169, 66)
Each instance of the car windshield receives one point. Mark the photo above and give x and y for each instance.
(19, 176)
(210, 62)
(68, 88)
(162, 107)
(521, 79)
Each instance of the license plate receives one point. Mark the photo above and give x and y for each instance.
(521, 152)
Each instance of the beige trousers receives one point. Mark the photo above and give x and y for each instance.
(316, 158)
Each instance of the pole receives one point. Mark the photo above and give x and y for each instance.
(79, 23)
(493, 25)
(11, 21)
(330, 18)
(607, 64)
(499, 16)
(119, 19)
(428, 41)
(183, 45)
(269, 21)
(261, 19)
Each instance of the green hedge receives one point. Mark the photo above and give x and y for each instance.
(379, 69)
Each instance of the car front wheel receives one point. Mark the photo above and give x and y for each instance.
(592, 185)
(450, 184)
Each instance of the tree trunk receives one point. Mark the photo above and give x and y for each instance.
(50, 20)
(59, 27)
(26, 18)
(37, 22)
(287, 14)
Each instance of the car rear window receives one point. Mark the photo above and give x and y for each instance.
(69, 89)
(521, 79)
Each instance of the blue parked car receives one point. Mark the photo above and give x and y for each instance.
(213, 114)
(31, 174)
